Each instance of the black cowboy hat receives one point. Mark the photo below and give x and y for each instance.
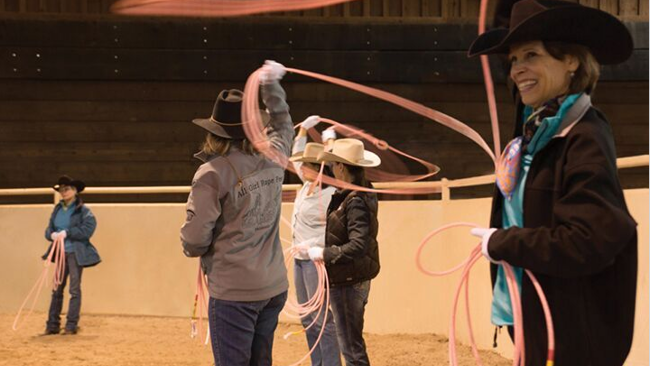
(64, 180)
(552, 20)
(226, 116)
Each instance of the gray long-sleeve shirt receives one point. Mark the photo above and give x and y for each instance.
(233, 214)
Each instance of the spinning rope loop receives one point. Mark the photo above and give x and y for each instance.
(220, 8)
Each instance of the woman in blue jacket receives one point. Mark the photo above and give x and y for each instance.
(74, 221)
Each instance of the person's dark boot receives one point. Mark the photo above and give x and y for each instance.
(50, 332)
(70, 331)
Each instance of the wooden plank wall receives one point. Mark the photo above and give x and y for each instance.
(448, 9)
(139, 133)
(63, 108)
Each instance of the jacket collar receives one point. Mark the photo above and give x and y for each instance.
(78, 204)
(203, 156)
(574, 115)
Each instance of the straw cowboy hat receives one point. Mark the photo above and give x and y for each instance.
(310, 154)
(551, 20)
(225, 120)
(64, 180)
(351, 152)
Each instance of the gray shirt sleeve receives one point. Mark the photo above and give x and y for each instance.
(280, 131)
(203, 210)
(299, 146)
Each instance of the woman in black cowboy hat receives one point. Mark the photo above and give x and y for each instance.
(233, 217)
(559, 210)
(73, 221)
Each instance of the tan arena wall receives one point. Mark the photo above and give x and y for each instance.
(145, 273)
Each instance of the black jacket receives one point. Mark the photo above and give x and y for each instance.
(580, 241)
(351, 252)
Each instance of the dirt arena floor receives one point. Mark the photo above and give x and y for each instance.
(130, 340)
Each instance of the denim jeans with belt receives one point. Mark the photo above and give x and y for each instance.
(242, 331)
(73, 270)
(349, 305)
(327, 351)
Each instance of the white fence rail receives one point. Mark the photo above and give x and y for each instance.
(443, 186)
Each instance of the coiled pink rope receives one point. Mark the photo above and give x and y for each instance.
(318, 304)
(56, 256)
(466, 265)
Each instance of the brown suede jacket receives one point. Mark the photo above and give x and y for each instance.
(580, 241)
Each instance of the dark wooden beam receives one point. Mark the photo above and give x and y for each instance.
(232, 65)
(250, 33)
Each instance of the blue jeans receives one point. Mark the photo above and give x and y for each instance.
(327, 351)
(72, 270)
(349, 305)
(242, 331)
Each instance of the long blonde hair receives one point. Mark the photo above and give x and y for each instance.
(215, 145)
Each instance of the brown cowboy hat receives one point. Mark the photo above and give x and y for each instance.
(225, 120)
(64, 180)
(552, 20)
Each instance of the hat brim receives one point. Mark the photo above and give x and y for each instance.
(215, 128)
(79, 185)
(370, 159)
(298, 158)
(608, 39)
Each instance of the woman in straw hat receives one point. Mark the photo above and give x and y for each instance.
(560, 211)
(233, 216)
(308, 223)
(351, 252)
(72, 220)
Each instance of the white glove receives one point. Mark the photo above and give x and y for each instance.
(310, 122)
(54, 235)
(316, 253)
(63, 234)
(302, 249)
(271, 71)
(484, 234)
(328, 134)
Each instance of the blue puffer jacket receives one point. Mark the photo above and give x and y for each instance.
(82, 227)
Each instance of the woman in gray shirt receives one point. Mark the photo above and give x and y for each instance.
(233, 215)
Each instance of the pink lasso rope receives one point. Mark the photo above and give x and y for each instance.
(255, 132)
(318, 303)
(221, 8)
(466, 265)
(56, 256)
(489, 85)
(200, 308)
